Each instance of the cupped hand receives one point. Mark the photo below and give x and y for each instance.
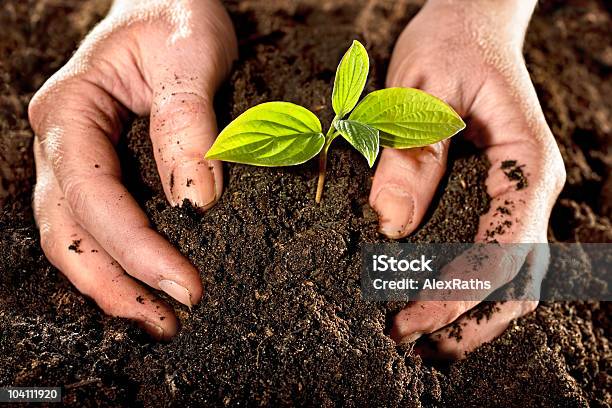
(163, 58)
(470, 55)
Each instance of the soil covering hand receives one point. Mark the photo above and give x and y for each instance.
(470, 55)
(162, 58)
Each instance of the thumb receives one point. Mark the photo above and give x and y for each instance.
(183, 127)
(184, 72)
(406, 180)
(404, 185)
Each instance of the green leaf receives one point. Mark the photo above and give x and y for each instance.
(364, 138)
(351, 77)
(407, 117)
(270, 134)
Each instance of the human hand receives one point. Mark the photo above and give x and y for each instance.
(163, 58)
(470, 55)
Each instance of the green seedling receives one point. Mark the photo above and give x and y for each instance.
(285, 134)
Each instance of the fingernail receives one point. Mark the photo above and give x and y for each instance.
(395, 208)
(177, 291)
(411, 338)
(154, 330)
(195, 181)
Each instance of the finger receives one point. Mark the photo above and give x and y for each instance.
(404, 185)
(473, 329)
(74, 137)
(88, 266)
(469, 332)
(184, 79)
(493, 265)
(522, 187)
(183, 128)
(496, 264)
(405, 181)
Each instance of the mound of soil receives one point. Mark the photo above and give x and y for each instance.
(282, 320)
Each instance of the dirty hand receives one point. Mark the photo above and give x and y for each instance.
(470, 55)
(163, 58)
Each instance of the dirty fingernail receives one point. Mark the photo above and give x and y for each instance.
(411, 338)
(395, 208)
(194, 181)
(154, 330)
(177, 291)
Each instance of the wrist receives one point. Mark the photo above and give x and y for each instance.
(175, 9)
(506, 19)
(127, 5)
(508, 7)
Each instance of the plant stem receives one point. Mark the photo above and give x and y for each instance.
(322, 170)
(329, 137)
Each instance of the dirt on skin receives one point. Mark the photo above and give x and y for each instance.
(282, 321)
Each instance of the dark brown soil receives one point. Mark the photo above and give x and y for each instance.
(282, 320)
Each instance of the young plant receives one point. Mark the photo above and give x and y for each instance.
(284, 134)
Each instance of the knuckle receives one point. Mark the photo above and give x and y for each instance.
(451, 309)
(41, 196)
(528, 306)
(34, 109)
(51, 144)
(47, 239)
(399, 323)
(457, 309)
(48, 243)
(446, 312)
(510, 265)
(117, 79)
(561, 178)
(178, 111)
(433, 154)
(76, 194)
(45, 101)
(72, 102)
(558, 171)
(551, 163)
(37, 112)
